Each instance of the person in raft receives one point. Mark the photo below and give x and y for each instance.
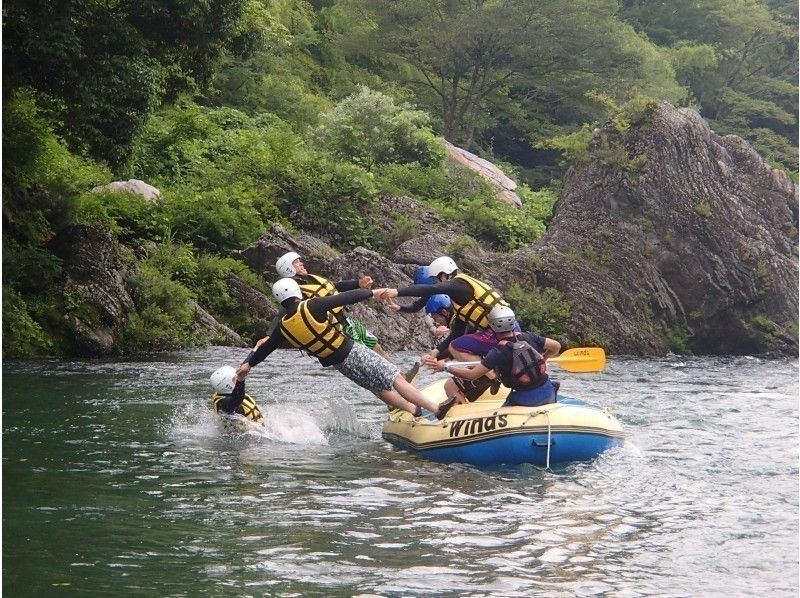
(470, 334)
(230, 398)
(311, 326)
(290, 265)
(520, 360)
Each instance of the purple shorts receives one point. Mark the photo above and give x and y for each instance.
(478, 343)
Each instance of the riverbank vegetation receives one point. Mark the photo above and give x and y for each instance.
(249, 112)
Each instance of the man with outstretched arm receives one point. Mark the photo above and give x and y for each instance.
(469, 334)
(310, 325)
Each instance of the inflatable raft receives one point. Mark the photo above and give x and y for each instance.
(484, 433)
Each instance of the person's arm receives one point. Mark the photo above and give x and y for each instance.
(259, 355)
(457, 328)
(474, 372)
(230, 403)
(319, 306)
(467, 373)
(413, 307)
(346, 285)
(546, 346)
(551, 348)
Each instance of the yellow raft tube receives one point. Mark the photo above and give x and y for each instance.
(485, 433)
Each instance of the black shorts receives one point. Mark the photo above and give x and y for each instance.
(473, 389)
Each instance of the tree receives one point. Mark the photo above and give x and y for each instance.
(521, 60)
(739, 59)
(101, 67)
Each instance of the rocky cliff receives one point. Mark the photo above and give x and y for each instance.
(671, 231)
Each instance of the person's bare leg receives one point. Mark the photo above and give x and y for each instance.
(379, 350)
(395, 401)
(451, 389)
(413, 394)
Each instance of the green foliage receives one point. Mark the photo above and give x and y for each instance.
(132, 217)
(545, 311)
(738, 58)
(703, 209)
(164, 316)
(573, 146)
(369, 129)
(212, 286)
(219, 219)
(41, 178)
(22, 335)
(460, 247)
(332, 197)
(678, 339)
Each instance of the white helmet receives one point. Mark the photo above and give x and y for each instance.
(222, 379)
(442, 264)
(502, 318)
(285, 288)
(284, 264)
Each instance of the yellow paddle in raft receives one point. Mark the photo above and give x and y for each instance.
(579, 359)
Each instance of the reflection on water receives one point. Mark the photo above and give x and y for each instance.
(118, 478)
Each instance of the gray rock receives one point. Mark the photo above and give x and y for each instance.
(214, 332)
(136, 186)
(95, 282)
(505, 188)
(700, 239)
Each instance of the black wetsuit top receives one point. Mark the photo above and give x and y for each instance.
(231, 402)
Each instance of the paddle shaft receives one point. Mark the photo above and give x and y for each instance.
(580, 359)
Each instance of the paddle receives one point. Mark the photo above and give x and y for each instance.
(579, 359)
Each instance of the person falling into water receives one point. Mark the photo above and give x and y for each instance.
(310, 325)
(290, 265)
(230, 397)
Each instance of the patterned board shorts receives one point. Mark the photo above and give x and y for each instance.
(359, 333)
(368, 369)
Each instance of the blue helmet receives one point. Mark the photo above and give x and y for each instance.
(421, 276)
(437, 303)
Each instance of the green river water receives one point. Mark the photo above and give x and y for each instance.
(118, 480)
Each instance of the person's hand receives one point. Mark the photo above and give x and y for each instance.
(378, 294)
(241, 373)
(440, 331)
(387, 295)
(392, 305)
(435, 365)
(365, 282)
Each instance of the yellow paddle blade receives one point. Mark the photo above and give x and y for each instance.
(581, 359)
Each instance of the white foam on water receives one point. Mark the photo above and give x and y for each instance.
(198, 421)
(292, 425)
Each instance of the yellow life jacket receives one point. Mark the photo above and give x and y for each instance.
(320, 339)
(475, 312)
(249, 408)
(318, 286)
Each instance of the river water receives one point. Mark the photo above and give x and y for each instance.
(117, 479)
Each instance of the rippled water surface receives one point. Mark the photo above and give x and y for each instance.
(118, 479)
